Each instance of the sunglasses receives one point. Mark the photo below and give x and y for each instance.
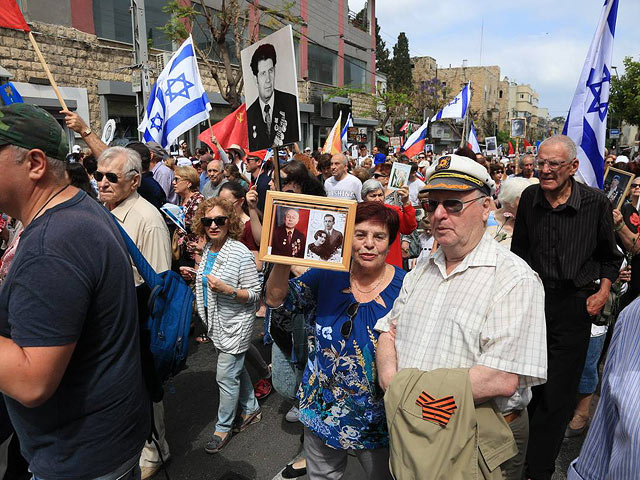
(450, 205)
(635, 185)
(380, 175)
(347, 327)
(219, 221)
(111, 177)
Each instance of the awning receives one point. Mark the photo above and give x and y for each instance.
(383, 138)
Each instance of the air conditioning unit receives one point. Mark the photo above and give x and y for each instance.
(162, 59)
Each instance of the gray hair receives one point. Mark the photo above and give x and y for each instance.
(511, 190)
(526, 155)
(343, 158)
(369, 186)
(132, 161)
(566, 142)
(57, 167)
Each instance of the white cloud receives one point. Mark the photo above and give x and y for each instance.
(540, 42)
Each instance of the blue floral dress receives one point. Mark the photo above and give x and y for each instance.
(340, 399)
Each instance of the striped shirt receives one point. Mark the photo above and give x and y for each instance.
(572, 242)
(611, 448)
(489, 311)
(229, 323)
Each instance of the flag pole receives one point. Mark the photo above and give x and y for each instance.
(276, 168)
(47, 71)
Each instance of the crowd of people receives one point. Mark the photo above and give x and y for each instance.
(463, 342)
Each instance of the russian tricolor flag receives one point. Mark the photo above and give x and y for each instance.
(416, 142)
(472, 142)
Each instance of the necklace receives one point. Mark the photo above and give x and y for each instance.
(49, 201)
(376, 285)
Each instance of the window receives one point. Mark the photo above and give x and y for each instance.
(112, 20)
(354, 72)
(322, 64)
(500, 94)
(202, 38)
(521, 96)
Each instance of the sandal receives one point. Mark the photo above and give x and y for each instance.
(241, 424)
(202, 338)
(217, 443)
(262, 388)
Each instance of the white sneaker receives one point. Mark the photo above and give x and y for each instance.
(293, 415)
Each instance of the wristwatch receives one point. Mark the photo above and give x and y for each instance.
(234, 293)
(85, 133)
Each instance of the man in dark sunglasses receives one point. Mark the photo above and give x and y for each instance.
(471, 304)
(118, 177)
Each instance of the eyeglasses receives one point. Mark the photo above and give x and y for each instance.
(552, 164)
(450, 205)
(178, 179)
(380, 175)
(111, 177)
(347, 327)
(635, 185)
(219, 221)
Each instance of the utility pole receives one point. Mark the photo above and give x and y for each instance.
(140, 78)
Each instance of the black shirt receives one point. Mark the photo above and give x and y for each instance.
(71, 282)
(151, 190)
(632, 219)
(572, 242)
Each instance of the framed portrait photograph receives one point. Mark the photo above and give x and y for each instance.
(518, 127)
(491, 145)
(271, 91)
(428, 147)
(307, 230)
(399, 176)
(616, 185)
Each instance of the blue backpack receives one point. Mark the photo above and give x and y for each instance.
(170, 307)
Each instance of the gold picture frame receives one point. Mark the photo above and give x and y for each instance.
(618, 192)
(307, 230)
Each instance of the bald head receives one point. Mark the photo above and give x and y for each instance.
(215, 171)
(567, 145)
(339, 166)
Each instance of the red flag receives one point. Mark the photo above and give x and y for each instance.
(231, 129)
(11, 16)
(511, 150)
(405, 126)
(526, 144)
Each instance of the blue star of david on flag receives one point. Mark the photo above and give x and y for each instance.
(178, 101)
(596, 90)
(456, 108)
(184, 92)
(156, 122)
(586, 123)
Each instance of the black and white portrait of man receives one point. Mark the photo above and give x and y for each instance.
(271, 96)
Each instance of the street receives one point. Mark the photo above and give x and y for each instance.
(191, 401)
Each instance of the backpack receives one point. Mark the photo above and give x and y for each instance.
(170, 306)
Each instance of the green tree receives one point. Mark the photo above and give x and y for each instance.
(624, 100)
(400, 78)
(383, 63)
(226, 32)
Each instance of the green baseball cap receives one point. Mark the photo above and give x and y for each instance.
(28, 126)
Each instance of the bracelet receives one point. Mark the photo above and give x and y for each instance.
(619, 227)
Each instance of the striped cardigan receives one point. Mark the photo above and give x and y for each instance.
(229, 323)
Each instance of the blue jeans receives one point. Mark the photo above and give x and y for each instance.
(286, 376)
(589, 379)
(235, 387)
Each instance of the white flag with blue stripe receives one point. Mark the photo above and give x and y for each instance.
(343, 135)
(586, 123)
(178, 101)
(456, 108)
(473, 139)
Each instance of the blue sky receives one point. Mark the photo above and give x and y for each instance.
(540, 42)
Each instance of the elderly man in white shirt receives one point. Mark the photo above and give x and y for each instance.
(472, 304)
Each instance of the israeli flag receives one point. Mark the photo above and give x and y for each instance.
(586, 123)
(456, 108)
(345, 130)
(178, 101)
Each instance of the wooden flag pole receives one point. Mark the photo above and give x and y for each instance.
(276, 168)
(47, 71)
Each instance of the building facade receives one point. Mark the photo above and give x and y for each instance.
(88, 46)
